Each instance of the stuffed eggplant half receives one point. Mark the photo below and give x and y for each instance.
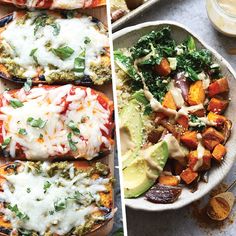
(52, 48)
(54, 198)
(57, 4)
(48, 122)
(171, 97)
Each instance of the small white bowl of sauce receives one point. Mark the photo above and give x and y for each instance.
(222, 14)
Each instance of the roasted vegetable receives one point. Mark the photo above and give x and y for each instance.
(183, 121)
(163, 69)
(169, 180)
(211, 137)
(218, 119)
(169, 102)
(217, 106)
(197, 164)
(219, 152)
(163, 194)
(188, 176)
(196, 94)
(189, 139)
(218, 87)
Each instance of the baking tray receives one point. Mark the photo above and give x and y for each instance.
(132, 14)
(101, 14)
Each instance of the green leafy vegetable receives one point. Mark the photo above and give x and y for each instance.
(191, 44)
(6, 142)
(197, 123)
(32, 54)
(16, 103)
(63, 52)
(71, 142)
(79, 63)
(74, 128)
(36, 123)
(18, 213)
(22, 131)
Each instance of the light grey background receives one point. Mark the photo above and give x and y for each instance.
(191, 13)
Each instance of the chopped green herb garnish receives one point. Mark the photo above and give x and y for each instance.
(51, 212)
(16, 103)
(60, 205)
(27, 85)
(46, 186)
(63, 52)
(74, 128)
(71, 142)
(41, 136)
(20, 215)
(197, 123)
(87, 40)
(79, 63)
(28, 190)
(32, 54)
(22, 131)
(56, 28)
(36, 123)
(6, 142)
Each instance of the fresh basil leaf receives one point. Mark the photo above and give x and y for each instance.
(79, 63)
(71, 142)
(27, 85)
(32, 54)
(56, 28)
(40, 21)
(20, 215)
(60, 205)
(36, 123)
(87, 40)
(63, 52)
(16, 103)
(46, 186)
(74, 128)
(22, 131)
(6, 142)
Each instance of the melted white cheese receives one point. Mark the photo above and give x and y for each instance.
(21, 40)
(89, 116)
(72, 4)
(31, 198)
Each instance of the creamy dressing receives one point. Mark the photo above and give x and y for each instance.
(200, 153)
(177, 95)
(72, 34)
(228, 6)
(88, 115)
(31, 198)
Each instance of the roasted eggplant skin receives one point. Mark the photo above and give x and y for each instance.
(86, 80)
(102, 99)
(105, 210)
(47, 4)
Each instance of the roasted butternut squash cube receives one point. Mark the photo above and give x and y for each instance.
(169, 102)
(218, 87)
(211, 137)
(199, 164)
(163, 69)
(169, 180)
(183, 121)
(196, 93)
(217, 106)
(219, 152)
(218, 119)
(188, 176)
(189, 139)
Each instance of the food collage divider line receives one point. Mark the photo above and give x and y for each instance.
(68, 125)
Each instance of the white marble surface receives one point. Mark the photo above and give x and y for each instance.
(193, 14)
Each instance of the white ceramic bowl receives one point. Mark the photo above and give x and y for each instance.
(126, 38)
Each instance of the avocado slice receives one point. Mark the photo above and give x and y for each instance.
(142, 173)
(131, 132)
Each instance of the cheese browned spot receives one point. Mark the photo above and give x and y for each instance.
(55, 121)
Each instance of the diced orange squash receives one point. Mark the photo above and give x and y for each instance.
(211, 137)
(217, 87)
(197, 164)
(199, 113)
(196, 93)
(189, 139)
(217, 106)
(169, 180)
(163, 69)
(218, 119)
(183, 121)
(168, 101)
(219, 152)
(178, 168)
(188, 176)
